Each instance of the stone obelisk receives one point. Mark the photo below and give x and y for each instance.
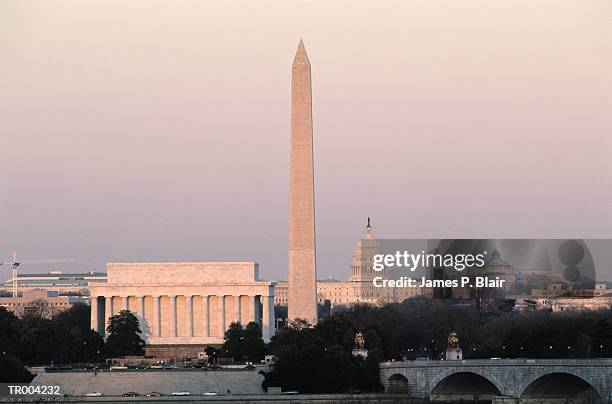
(302, 293)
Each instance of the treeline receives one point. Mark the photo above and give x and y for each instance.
(319, 359)
(419, 327)
(63, 339)
(35, 340)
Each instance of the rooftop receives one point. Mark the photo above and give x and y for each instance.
(57, 274)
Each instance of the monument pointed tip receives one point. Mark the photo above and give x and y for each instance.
(301, 57)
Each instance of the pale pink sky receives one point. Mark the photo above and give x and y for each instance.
(159, 130)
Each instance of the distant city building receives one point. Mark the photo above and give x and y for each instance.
(558, 297)
(56, 281)
(40, 302)
(186, 303)
(571, 303)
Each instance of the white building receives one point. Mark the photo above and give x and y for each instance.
(185, 303)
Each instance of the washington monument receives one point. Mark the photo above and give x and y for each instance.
(302, 282)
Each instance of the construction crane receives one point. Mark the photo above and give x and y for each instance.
(16, 263)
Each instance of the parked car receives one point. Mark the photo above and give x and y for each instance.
(130, 394)
(83, 366)
(58, 367)
(118, 368)
(181, 393)
(94, 394)
(211, 393)
(154, 394)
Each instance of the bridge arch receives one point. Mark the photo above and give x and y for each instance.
(562, 384)
(468, 383)
(398, 384)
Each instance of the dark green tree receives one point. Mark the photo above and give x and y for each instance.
(601, 339)
(44, 341)
(371, 372)
(77, 317)
(318, 352)
(295, 336)
(124, 335)
(12, 370)
(253, 345)
(233, 341)
(338, 373)
(336, 329)
(88, 344)
(372, 340)
(10, 332)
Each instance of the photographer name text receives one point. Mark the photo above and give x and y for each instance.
(423, 282)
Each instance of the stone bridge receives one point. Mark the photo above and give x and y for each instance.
(587, 380)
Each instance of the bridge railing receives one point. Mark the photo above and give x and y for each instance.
(495, 362)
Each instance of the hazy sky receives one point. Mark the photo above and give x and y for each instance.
(159, 130)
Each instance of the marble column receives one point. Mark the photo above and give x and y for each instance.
(237, 309)
(125, 303)
(221, 315)
(94, 313)
(141, 306)
(267, 326)
(108, 311)
(205, 317)
(189, 302)
(156, 317)
(144, 326)
(256, 313)
(251, 309)
(173, 322)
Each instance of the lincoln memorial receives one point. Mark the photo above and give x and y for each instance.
(186, 302)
